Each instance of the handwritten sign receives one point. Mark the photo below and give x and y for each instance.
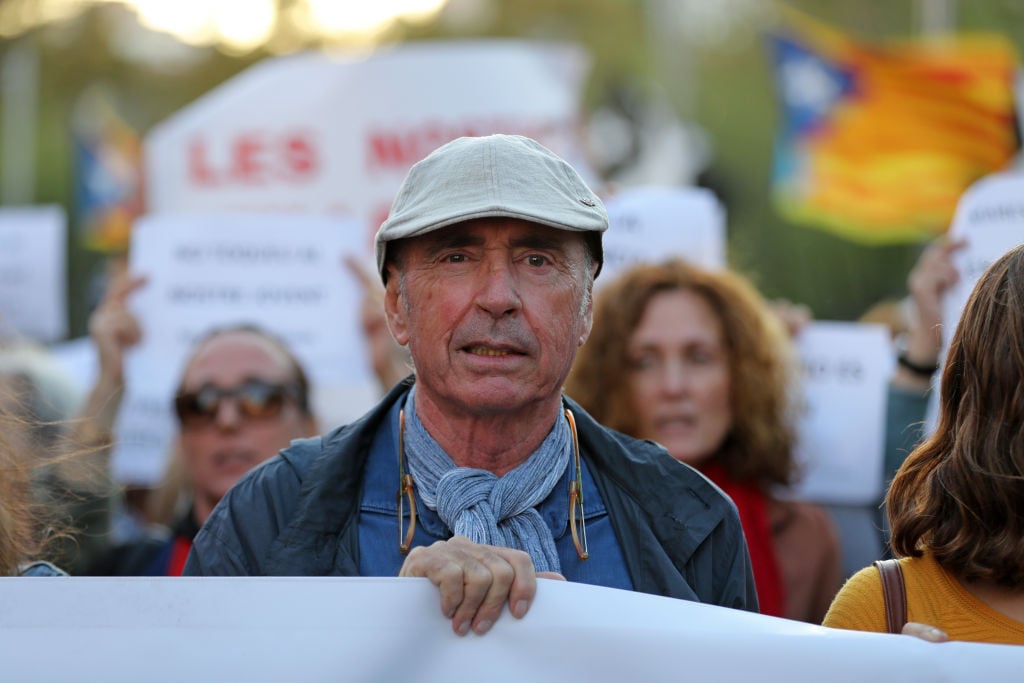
(391, 629)
(841, 430)
(267, 140)
(281, 272)
(656, 223)
(33, 242)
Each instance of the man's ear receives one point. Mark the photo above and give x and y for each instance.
(588, 317)
(394, 310)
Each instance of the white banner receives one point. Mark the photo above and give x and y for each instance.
(655, 223)
(33, 272)
(841, 430)
(365, 629)
(281, 272)
(337, 132)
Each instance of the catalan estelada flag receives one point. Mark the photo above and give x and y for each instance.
(877, 142)
(109, 191)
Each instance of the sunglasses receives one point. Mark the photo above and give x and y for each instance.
(254, 398)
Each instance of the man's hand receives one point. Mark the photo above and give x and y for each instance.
(476, 580)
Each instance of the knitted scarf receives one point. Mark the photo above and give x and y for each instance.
(485, 508)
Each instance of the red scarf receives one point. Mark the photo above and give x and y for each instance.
(753, 507)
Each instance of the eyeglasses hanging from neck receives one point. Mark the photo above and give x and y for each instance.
(407, 493)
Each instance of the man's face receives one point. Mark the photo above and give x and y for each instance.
(493, 311)
(220, 448)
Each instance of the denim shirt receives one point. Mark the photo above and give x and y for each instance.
(379, 533)
(40, 568)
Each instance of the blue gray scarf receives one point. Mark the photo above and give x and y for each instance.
(475, 503)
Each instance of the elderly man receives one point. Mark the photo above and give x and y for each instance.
(488, 258)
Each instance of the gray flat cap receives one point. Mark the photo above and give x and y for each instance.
(508, 176)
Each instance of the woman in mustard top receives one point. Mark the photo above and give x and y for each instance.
(956, 506)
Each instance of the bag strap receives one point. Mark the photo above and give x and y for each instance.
(894, 593)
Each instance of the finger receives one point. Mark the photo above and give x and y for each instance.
(925, 632)
(436, 564)
(551, 575)
(124, 285)
(524, 585)
(499, 579)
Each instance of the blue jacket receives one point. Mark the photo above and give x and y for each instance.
(297, 514)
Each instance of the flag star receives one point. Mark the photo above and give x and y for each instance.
(808, 84)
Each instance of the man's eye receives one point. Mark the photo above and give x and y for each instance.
(536, 260)
(455, 258)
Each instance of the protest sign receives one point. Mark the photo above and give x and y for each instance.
(846, 368)
(33, 243)
(266, 139)
(281, 272)
(990, 219)
(656, 223)
(391, 629)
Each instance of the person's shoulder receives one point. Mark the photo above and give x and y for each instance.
(801, 518)
(40, 568)
(859, 605)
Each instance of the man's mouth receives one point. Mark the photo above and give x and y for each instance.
(491, 351)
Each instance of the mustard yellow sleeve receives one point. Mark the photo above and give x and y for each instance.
(859, 605)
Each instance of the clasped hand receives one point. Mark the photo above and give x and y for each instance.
(476, 581)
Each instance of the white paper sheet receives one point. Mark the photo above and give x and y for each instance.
(656, 223)
(841, 430)
(33, 272)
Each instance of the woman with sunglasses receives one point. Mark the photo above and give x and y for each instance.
(694, 360)
(243, 396)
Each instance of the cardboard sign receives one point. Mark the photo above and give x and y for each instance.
(391, 629)
(33, 248)
(841, 430)
(337, 132)
(651, 224)
(281, 272)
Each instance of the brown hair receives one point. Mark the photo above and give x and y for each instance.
(18, 538)
(759, 445)
(960, 494)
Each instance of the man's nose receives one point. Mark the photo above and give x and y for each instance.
(499, 292)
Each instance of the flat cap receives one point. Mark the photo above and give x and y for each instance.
(508, 176)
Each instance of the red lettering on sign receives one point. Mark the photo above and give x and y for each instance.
(254, 158)
(248, 165)
(198, 168)
(397, 150)
(300, 156)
